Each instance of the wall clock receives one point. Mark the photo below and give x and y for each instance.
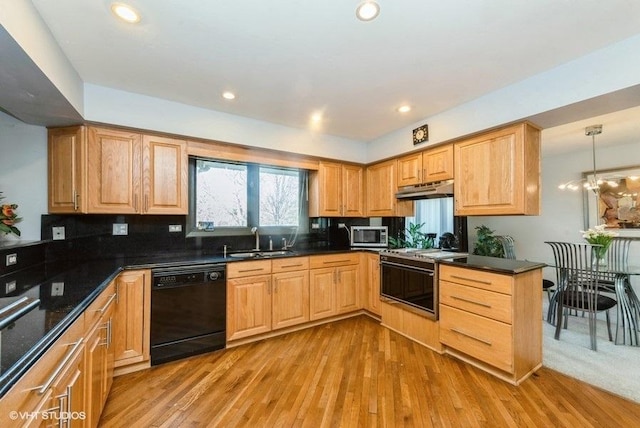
(421, 134)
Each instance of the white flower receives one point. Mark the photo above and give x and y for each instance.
(596, 232)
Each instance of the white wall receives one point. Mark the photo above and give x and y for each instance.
(23, 173)
(117, 107)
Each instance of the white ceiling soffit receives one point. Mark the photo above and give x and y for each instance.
(288, 59)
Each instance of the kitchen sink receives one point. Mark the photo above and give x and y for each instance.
(251, 254)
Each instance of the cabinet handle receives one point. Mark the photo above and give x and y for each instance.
(471, 279)
(475, 302)
(75, 200)
(106, 305)
(336, 261)
(66, 410)
(250, 270)
(68, 356)
(289, 266)
(470, 336)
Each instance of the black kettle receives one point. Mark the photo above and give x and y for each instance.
(447, 241)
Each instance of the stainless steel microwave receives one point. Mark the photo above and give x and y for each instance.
(369, 236)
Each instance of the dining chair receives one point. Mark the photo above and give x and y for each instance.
(578, 274)
(508, 245)
(617, 257)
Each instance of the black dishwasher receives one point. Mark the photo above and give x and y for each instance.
(188, 311)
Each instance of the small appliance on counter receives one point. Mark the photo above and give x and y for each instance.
(369, 236)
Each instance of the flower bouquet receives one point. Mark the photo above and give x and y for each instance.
(599, 235)
(8, 218)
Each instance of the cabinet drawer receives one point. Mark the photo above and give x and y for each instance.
(29, 392)
(492, 305)
(482, 338)
(477, 278)
(242, 269)
(289, 264)
(100, 305)
(333, 260)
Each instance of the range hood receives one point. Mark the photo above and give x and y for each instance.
(439, 189)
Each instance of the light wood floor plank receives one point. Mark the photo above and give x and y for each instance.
(351, 373)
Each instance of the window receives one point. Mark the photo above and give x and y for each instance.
(230, 198)
(436, 214)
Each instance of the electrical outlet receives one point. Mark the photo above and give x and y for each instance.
(315, 226)
(175, 228)
(57, 289)
(9, 287)
(120, 229)
(12, 259)
(57, 232)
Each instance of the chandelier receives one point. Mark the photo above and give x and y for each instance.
(593, 182)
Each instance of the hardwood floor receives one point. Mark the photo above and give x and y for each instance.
(351, 373)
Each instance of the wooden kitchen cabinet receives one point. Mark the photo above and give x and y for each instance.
(43, 388)
(66, 170)
(428, 166)
(491, 320)
(266, 295)
(336, 190)
(110, 171)
(498, 173)
(100, 353)
(334, 282)
(132, 321)
(381, 192)
(371, 265)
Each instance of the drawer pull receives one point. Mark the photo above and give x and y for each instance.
(106, 305)
(250, 270)
(475, 302)
(479, 339)
(471, 279)
(288, 266)
(69, 355)
(336, 261)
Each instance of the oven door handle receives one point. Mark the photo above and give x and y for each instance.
(431, 272)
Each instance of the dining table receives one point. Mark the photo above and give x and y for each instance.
(615, 279)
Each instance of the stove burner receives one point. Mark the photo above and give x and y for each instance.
(430, 254)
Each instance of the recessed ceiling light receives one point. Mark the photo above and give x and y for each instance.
(228, 95)
(125, 12)
(367, 10)
(316, 117)
(404, 109)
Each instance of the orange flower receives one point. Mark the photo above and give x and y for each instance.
(7, 211)
(9, 222)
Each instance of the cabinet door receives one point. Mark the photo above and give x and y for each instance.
(498, 173)
(381, 192)
(326, 191)
(410, 169)
(290, 299)
(248, 306)
(373, 283)
(347, 285)
(164, 169)
(67, 189)
(322, 298)
(114, 170)
(69, 391)
(438, 164)
(353, 193)
(132, 318)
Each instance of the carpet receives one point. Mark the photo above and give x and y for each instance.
(615, 368)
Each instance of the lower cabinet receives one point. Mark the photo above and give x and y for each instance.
(69, 384)
(492, 320)
(334, 282)
(132, 320)
(371, 288)
(266, 295)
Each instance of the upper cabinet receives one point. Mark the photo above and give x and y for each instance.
(336, 190)
(498, 173)
(381, 192)
(426, 167)
(66, 165)
(108, 171)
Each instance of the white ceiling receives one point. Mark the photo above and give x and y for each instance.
(286, 59)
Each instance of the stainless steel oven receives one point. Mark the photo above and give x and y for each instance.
(410, 281)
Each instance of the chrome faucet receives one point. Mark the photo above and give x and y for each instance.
(254, 230)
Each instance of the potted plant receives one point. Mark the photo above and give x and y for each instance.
(8, 218)
(412, 237)
(487, 244)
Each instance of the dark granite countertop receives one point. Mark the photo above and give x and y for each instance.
(494, 264)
